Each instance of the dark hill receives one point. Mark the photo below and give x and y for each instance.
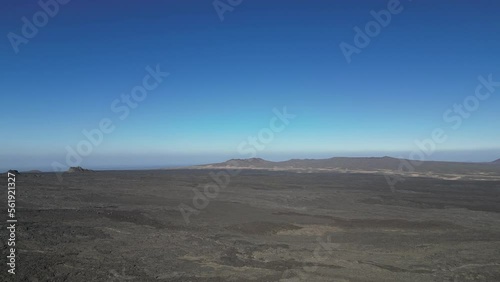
(78, 169)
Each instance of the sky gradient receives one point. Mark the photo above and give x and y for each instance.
(225, 78)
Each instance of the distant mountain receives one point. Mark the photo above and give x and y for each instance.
(496, 162)
(343, 163)
(253, 162)
(366, 165)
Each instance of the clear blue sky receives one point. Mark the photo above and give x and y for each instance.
(227, 76)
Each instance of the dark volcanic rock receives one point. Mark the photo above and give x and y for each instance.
(268, 226)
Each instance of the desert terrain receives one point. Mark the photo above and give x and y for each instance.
(264, 226)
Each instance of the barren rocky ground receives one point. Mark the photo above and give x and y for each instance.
(264, 226)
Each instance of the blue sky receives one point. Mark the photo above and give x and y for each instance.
(227, 76)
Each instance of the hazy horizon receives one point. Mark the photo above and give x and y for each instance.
(127, 162)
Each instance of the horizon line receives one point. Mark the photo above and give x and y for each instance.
(172, 166)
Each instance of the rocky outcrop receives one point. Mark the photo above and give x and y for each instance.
(78, 169)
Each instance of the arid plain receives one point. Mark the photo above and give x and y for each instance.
(263, 226)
